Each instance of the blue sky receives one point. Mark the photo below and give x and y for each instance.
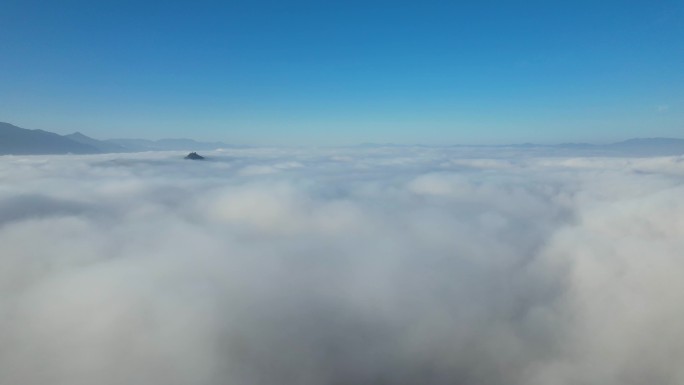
(344, 72)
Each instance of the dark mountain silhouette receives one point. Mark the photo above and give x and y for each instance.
(20, 141)
(194, 156)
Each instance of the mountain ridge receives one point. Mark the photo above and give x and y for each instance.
(15, 140)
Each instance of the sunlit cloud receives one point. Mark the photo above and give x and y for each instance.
(341, 266)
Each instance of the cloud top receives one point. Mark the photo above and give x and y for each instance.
(341, 266)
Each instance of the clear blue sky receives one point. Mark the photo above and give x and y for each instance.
(343, 72)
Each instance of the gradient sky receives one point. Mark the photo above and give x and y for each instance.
(345, 72)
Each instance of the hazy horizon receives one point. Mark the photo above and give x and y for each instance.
(380, 143)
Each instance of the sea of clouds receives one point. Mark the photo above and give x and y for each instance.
(380, 265)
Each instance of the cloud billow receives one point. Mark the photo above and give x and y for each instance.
(341, 266)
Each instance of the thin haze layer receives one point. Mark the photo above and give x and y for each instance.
(341, 266)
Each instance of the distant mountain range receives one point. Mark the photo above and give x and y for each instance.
(165, 144)
(630, 147)
(20, 141)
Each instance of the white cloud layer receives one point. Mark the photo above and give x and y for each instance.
(341, 266)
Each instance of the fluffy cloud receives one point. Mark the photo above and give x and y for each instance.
(341, 266)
